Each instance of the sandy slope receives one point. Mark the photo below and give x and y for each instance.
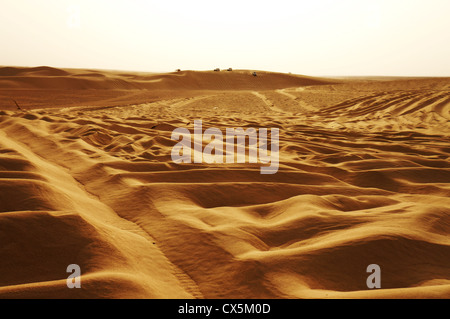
(86, 178)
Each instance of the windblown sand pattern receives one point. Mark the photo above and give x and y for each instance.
(86, 178)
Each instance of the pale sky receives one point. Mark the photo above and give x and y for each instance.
(315, 37)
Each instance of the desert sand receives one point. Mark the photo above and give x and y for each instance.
(86, 178)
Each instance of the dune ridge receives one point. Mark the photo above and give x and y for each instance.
(53, 78)
(364, 178)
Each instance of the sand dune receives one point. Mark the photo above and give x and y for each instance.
(52, 78)
(86, 178)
